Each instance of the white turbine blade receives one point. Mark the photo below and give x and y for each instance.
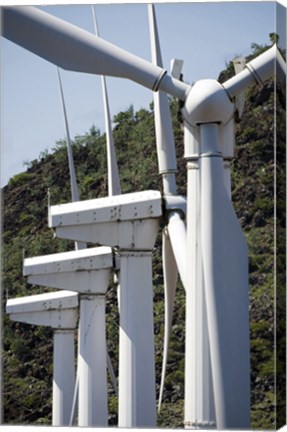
(112, 374)
(74, 186)
(73, 180)
(173, 256)
(170, 279)
(75, 49)
(163, 125)
(114, 187)
(258, 70)
(166, 153)
(225, 270)
(113, 174)
(177, 234)
(75, 400)
(173, 244)
(167, 168)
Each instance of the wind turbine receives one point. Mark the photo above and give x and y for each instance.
(128, 223)
(75, 192)
(54, 310)
(114, 187)
(86, 272)
(199, 404)
(207, 108)
(174, 235)
(60, 311)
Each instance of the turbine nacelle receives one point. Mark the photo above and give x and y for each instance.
(58, 310)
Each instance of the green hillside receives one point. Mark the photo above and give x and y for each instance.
(28, 350)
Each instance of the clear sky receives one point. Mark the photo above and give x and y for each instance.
(205, 35)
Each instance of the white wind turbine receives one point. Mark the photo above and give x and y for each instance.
(86, 272)
(57, 317)
(132, 415)
(114, 187)
(60, 312)
(174, 235)
(199, 403)
(207, 109)
(75, 192)
(128, 223)
(56, 312)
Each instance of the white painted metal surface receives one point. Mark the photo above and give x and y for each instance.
(86, 259)
(257, 70)
(93, 405)
(127, 234)
(203, 102)
(63, 376)
(114, 187)
(42, 302)
(170, 275)
(73, 181)
(58, 310)
(225, 271)
(163, 125)
(131, 206)
(82, 271)
(75, 49)
(176, 66)
(137, 400)
(177, 233)
(198, 398)
(223, 255)
(119, 221)
(85, 271)
(173, 255)
(136, 408)
(72, 171)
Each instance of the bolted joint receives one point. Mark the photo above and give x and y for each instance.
(207, 102)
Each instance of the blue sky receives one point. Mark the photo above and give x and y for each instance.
(205, 35)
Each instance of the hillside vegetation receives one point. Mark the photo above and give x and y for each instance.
(28, 350)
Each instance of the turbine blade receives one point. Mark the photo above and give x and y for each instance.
(112, 374)
(259, 69)
(75, 49)
(225, 271)
(113, 175)
(114, 187)
(167, 169)
(74, 187)
(163, 124)
(170, 279)
(177, 234)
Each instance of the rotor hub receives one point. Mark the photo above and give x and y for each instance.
(207, 102)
